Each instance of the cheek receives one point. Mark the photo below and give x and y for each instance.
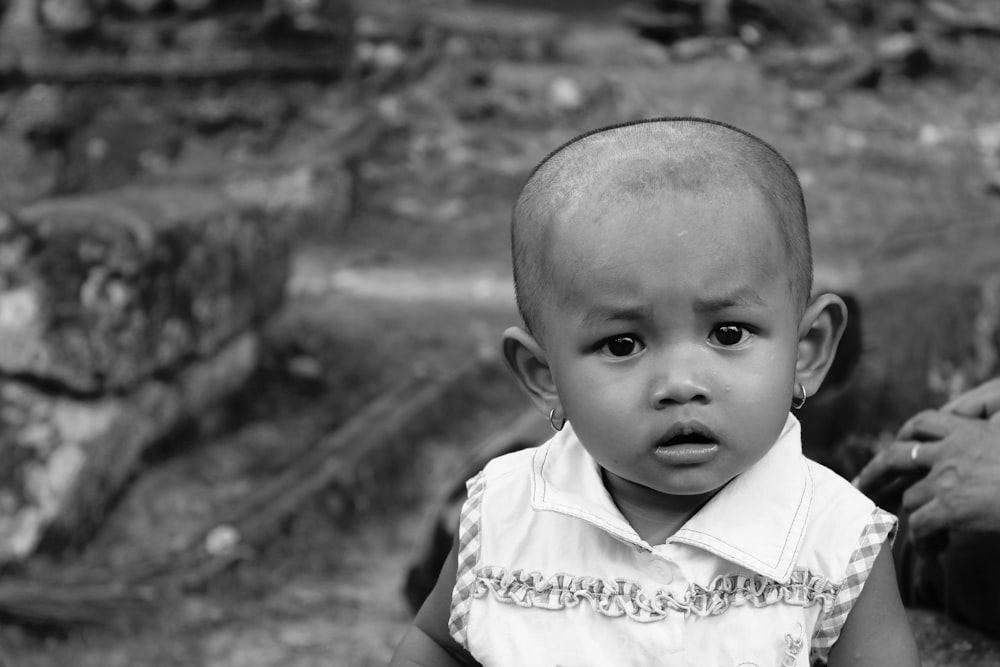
(762, 393)
(775, 371)
(595, 403)
(583, 395)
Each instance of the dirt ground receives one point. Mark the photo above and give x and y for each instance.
(417, 278)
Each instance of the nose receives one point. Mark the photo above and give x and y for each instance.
(678, 379)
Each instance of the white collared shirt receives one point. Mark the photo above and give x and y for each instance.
(551, 573)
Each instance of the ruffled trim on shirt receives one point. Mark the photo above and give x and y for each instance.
(622, 597)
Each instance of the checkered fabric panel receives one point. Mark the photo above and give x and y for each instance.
(468, 555)
(880, 531)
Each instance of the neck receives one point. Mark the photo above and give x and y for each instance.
(655, 516)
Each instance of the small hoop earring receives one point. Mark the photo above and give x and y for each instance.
(797, 403)
(556, 424)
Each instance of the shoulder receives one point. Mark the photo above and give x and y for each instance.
(841, 512)
(511, 464)
(837, 506)
(842, 521)
(845, 514)
(845, 531)
(502, 487)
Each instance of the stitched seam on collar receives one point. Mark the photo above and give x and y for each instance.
(571, 510)
(706, 544)
(807, 487)
(751, 557)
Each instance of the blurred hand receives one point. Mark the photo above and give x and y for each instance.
(958, 458)
(982, 402)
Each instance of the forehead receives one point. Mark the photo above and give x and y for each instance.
(664, 240)
(685, 154)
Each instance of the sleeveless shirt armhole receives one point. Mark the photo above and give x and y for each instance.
(878, 532)
(469, 540)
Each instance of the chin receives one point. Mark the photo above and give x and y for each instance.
(692, 487)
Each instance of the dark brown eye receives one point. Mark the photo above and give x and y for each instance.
(729, 334)
(622, 346)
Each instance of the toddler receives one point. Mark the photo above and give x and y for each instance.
(663, 273)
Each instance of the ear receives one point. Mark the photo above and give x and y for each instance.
(820, 329)
(527, 361)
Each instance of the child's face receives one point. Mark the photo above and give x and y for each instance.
(671, 333)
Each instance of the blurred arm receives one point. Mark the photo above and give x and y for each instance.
(877, 632)
(428, 642)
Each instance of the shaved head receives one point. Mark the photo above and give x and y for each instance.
(624, 163)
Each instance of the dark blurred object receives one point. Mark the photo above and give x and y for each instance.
(833, 67)
(528, 430)
(951, 571)
(805, 22)
(302, 22)
(71, 19)
(668, 21)
(144, 41)
(965, 17)
(825, 45)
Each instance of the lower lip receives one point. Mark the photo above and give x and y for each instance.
(687, 454)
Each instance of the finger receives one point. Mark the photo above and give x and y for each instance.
(925, 455)
(917, 495)
(981, 402)
(932, 425)
(918, 422)
(895, 459)
(929, 518)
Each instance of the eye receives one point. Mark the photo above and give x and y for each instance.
(729, 335)
(621, 346)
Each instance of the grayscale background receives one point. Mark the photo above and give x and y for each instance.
(254, 270)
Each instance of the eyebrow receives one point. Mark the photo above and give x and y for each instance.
(616, 313)
(740, 297)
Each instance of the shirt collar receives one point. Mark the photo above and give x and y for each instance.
(757, 521)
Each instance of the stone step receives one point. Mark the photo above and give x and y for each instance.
(99, 292)
(64, 458)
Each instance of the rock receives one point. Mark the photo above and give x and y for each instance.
(193, 6)
(98, 293)
(64, 458)
(661, 24)
(140, 7)
(310, 200)
(43, 114)
(904, 53)
(705, 47)
(69, 18)
(564, 94)
(608, 44)
(498, 33)
(115, 148)
(24, 174)
(20, 28)
(943, 642)
(298, 22)
(988, 143)
(201, 35)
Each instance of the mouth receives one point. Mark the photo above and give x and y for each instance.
(688, 443)
(687, 433)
